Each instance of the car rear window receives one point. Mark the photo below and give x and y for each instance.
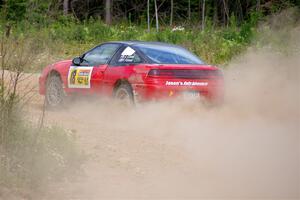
(168, 54)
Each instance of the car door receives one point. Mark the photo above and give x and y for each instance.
(88, 76)
(122, 67)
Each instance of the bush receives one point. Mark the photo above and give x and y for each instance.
(66, 38)
(16, 9)
(30, 155)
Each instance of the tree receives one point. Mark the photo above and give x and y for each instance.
(258, 5)
(16, 9)
(108, 11)
(181, 11)
(203, 14)
(189, 10)
(172, 12)
(225, 12)
(156, 16)
(148, 15)
(66, 7)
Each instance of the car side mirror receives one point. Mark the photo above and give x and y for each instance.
(77, 61)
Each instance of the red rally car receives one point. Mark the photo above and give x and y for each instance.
(132, 71)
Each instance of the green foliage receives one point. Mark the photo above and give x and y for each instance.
(68, 38)
(59, 36)
(16, 9)
(135, 12)
(62, 40)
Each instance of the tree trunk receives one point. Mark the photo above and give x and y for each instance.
(156, 16)
(172, 10)
(108, 12)
(66, 7)
(189, 11)
(226, 13)
(258, 5)
(215, 19)
(203, 14)
(148, 15)
(241, 14)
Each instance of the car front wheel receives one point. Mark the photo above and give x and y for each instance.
(55, 95)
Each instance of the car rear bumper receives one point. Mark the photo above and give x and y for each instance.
(212, 91)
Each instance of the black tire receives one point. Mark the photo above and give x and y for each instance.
(55, 95)
(124, 94)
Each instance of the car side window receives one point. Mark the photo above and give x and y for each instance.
(127, 56)
(100, 55)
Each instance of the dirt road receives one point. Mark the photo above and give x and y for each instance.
(248, 148)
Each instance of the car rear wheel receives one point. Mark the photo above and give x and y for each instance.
(124, 94)
(55, 95)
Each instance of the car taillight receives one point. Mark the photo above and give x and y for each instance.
(185, 73)
(159, 72)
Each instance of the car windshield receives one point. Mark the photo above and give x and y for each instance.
(168, 54)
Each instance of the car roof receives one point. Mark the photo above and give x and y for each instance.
(136, 42)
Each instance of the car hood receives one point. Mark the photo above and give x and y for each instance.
(63, 62)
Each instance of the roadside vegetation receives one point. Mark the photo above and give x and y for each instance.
(68, 38)
(216, 31)
(32, 153)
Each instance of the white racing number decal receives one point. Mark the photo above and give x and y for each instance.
(127, 55)
(80, 77)
(186, 83)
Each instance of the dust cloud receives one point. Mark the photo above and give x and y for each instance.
(247, 148)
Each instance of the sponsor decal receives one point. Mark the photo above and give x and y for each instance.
(79, 77)
(127, 55)
(186, 83)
